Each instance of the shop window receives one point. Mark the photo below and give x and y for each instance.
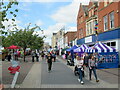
(105, 22)
(108, 43)
(111, 15)
(113, 43)
(90, 27)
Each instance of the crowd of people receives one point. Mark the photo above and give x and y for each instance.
(81, 62)
(15, 55)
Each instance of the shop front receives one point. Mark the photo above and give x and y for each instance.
(110, 38)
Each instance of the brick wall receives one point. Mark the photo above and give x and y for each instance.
(81, 24)
(70, 36)
(102, 11)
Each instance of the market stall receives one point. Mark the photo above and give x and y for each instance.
(71, 51)
(81, 50)
(107, 56)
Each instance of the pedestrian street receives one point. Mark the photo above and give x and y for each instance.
(62, 76)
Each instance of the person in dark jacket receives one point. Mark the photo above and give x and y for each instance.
(49, 61)
(86, 59)
(9, 57)
(37, 56)
(33, 56)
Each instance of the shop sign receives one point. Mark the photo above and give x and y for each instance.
(88, 39)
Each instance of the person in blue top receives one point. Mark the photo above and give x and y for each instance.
(54, 56)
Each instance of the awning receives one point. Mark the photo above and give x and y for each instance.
(100, 47)
(72, 48)
(81, 49)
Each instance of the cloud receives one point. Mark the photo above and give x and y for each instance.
(39, 22)
(9, 24)
(54, 29)
(53, 0)
(50, 30)
(68, 13)
(45, 0)
(24, 6)
(71, 29)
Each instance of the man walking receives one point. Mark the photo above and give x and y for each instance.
(49, 61)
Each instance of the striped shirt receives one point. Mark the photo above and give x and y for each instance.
(92, 62)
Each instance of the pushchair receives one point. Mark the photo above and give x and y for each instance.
(76, 72)
(70, 62)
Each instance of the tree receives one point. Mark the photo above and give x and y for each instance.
(6, 10)
(25, 38)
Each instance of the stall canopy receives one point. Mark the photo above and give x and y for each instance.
(81, 49)
(100, 47)
(72, 48)
(13, 47)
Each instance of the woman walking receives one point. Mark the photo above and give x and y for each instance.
(49, 61)
(79, 63)
(92, 67)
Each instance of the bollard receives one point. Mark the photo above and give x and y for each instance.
(14, 80)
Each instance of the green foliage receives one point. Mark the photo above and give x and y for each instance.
(4, 51)
(6, 10)
(24, 38)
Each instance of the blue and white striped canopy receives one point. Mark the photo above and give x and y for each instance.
(72, 48)
(100, 47)
(81, 49)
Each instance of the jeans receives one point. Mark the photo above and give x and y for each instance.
(80, 74)
(49, 66)
(94, 71)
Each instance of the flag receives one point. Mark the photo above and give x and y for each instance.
(96, 28)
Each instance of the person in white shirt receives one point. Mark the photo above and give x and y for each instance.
(79, 63)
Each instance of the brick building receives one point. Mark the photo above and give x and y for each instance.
(69, 37)
(82, 15)
(106, 15)
(109, 14)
